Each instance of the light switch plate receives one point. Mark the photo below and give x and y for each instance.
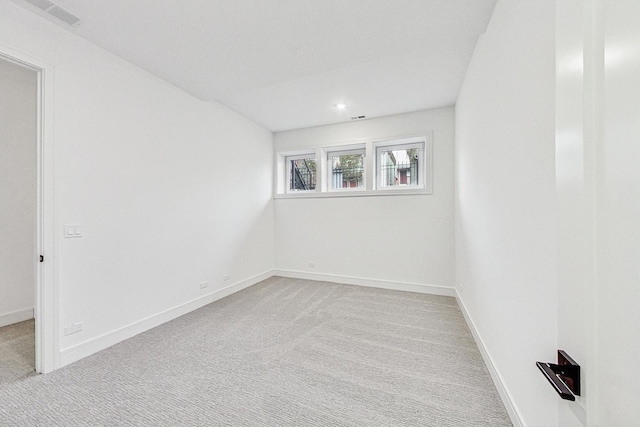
(73, 230)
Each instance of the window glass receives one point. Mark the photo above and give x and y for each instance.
(347, 170)
(384, 167)
(302, 173)
(399, 167)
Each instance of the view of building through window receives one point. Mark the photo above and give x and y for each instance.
(347, 170)
(380, 167)
(398, 167)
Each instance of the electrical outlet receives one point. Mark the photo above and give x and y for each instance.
(204, 285)
(73, 328)
(226, 277)
(312, 264)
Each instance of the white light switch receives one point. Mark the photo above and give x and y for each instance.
(72, 230)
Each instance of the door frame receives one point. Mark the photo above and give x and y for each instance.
(47, 351)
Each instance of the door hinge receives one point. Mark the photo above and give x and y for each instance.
(41, 258)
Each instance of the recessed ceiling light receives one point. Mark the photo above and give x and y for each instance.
(341, 106)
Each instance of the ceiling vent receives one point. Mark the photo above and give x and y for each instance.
(357, 117)
(41, 4)
(55, 11)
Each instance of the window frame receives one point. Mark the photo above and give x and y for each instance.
(424, 146)
(322, 156)
(344, 151)
(287, 160)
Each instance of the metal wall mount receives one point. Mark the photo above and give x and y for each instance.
(564, 376)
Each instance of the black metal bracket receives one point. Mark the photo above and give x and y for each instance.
(564, 377)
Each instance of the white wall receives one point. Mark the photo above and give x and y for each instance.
(18, 111)
(505, 205)
(170, 191)
(404, 239)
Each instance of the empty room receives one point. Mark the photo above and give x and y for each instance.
(319, 212)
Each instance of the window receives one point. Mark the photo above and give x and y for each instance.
(346, 170)
(361, 168)
(400, 164)
(301, 171)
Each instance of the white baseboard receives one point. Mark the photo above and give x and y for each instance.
(503, 391)
(15, 317)
(79, 351)
(373, 283)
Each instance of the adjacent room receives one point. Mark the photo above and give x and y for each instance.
(319, 212)
(18, 115)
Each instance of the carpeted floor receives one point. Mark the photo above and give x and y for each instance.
(283, 352)
(17, 353)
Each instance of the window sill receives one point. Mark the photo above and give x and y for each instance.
(371, 193)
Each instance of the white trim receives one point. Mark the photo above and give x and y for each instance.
(424, 144)
(503, 391)
(16, 317)
(288, 177)
(372, 283)
(46, 289)
(322, 181)
(79, 351)
(354, 193)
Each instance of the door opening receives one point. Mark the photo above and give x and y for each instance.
(18, 218)
(27, 286)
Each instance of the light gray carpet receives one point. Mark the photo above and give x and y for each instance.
(283, 352)
(17, 353)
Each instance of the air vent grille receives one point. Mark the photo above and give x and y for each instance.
(357, 117)
(63, 15)
(55, 11)
(41, 4)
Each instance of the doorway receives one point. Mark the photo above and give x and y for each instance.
(18, 218)
(39, 214)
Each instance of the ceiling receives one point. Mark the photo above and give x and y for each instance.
(286, 63)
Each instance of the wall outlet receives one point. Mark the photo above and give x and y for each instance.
(226, 277)
(73, 328)
(204, 285)
(312, 264)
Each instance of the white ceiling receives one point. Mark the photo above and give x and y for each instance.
(286, 63)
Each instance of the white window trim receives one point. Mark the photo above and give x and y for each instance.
(366, 193)
(287, 164)
(329, 168)
(323, 169)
